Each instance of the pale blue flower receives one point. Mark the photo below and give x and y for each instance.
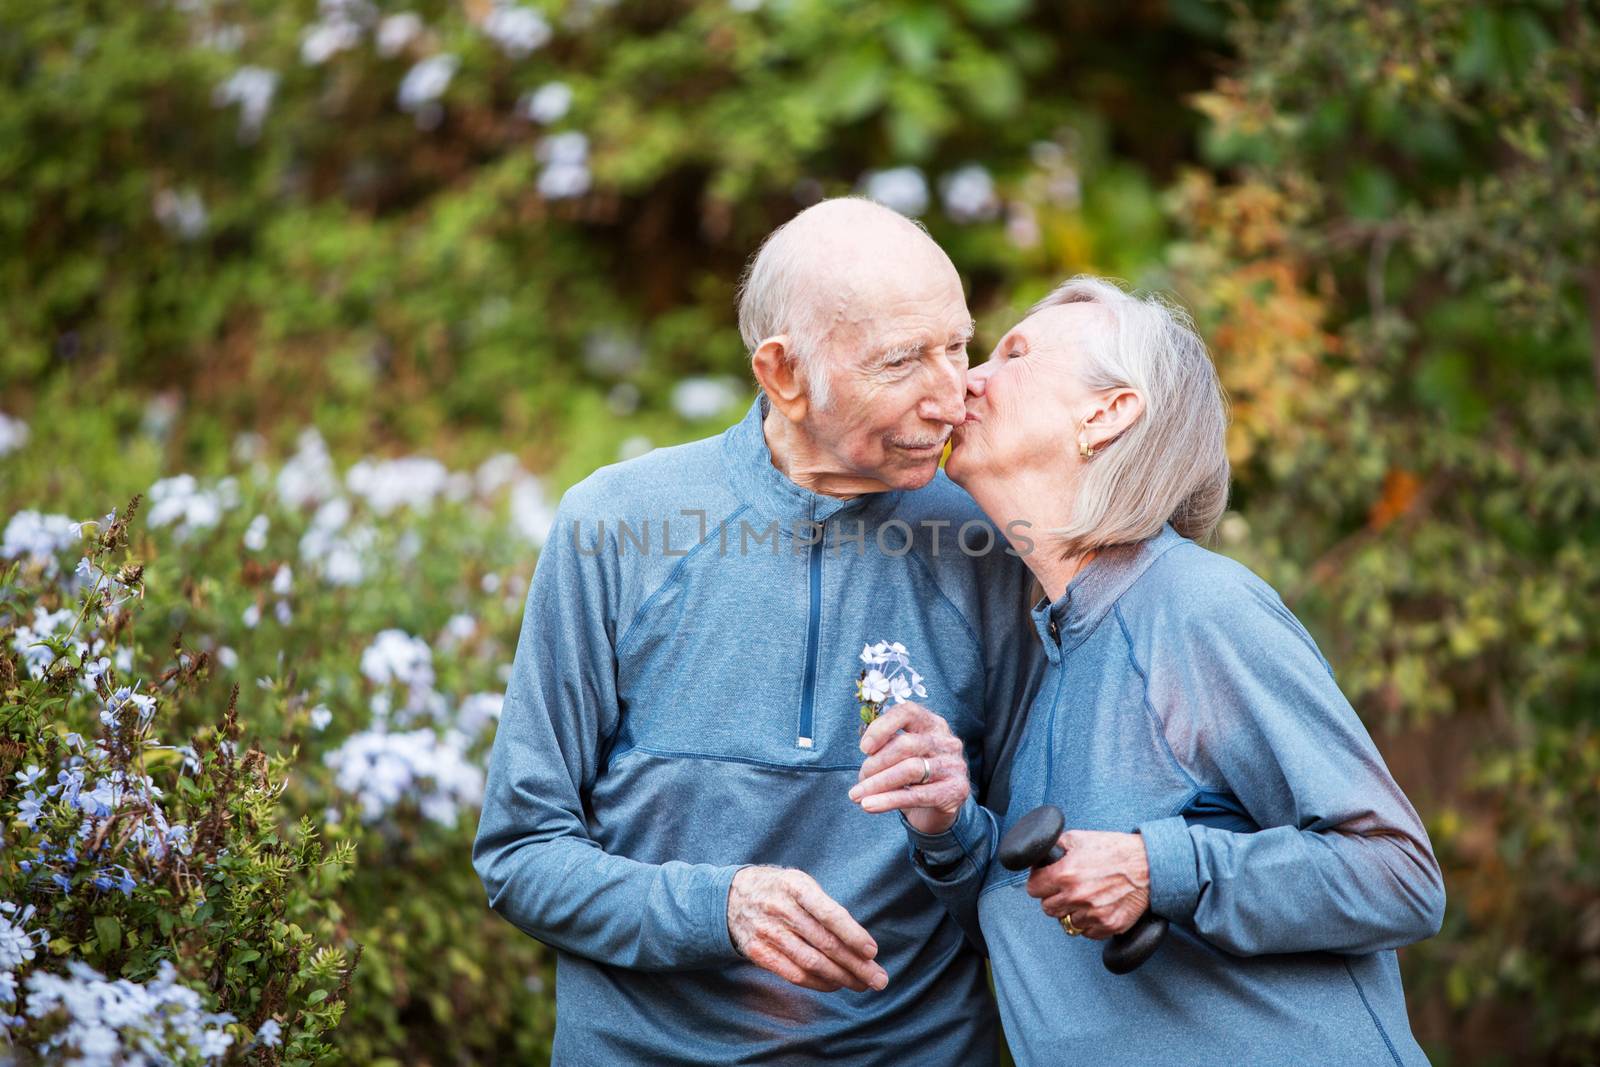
(426, 82)
(518, 30)
(269, 1034)
(903, 189)
(874, 687)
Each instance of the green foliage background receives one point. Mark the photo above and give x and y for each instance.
(1386, 217)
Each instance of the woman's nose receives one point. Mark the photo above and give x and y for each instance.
(978, 379)
(946, 399)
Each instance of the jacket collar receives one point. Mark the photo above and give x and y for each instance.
(1090, 595)
(767, 490)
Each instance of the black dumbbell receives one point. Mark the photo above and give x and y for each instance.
(1032, 842)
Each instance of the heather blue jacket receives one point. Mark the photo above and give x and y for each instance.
(1183, 699)
(675, 712)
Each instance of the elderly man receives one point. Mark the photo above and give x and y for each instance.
(668, 797)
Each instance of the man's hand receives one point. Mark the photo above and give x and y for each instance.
(781, 920)
(1103, 882)
(914, 764)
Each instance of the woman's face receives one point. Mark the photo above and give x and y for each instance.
(1025, 404)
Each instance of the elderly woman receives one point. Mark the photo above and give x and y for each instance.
(1208, 766)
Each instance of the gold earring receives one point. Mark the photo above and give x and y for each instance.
(1083, 448)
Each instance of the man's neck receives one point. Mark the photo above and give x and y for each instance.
(1024, 505)
(797, 456)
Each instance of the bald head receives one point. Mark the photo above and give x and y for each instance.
(822, 277)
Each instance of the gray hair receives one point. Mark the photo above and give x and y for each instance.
(773, 300)
(1171, 465)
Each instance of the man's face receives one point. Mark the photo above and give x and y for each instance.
(897, 369)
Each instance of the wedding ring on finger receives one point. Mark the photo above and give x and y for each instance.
(1066, 924)
(927, 772)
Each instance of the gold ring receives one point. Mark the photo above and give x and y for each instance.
(1066, 924)
(927, 771)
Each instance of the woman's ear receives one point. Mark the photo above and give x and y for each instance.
(777, 370)
(1114, 411)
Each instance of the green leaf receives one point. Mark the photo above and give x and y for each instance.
(918, 35)
(109, 932)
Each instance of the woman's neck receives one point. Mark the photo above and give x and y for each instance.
(1023, 506)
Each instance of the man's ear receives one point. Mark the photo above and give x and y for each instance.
(779, 374)
(1114, 411)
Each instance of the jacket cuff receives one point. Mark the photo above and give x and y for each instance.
(943, 852)
(718, 933)
(1174, 870)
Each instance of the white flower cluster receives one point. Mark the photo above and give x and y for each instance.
(255, 535)
(337, 29)
(337, 552)
(888, 674)
(124, 1022)
(566, 165)
(337, 548)
(397, 658)
(518, 30)
(18, 945)
(13, 433)
(252, 88)
(903, 189)
(413, 482)
(478, 711)
(182, 501)
(704, 398)
(969, 195)
(282, 586)
(425, 83)
(39, 537)
(397, 31)
(180, 212)
(26, 642)
(547, 104)
(308, 476)
(381, 769)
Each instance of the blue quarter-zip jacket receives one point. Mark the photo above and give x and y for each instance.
(682, 704)
(1184, 700)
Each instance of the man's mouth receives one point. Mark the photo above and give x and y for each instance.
(923, 448)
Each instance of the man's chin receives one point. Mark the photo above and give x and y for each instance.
(914, 472)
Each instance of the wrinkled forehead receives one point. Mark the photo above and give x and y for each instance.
(899, 300)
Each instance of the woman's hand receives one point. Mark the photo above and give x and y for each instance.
(1102, 883)
(915, 765)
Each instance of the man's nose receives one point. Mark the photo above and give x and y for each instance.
(946, 402)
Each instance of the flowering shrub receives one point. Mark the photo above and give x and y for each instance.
(370, 614)
(166, 865)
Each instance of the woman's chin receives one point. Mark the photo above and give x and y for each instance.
(957, 465)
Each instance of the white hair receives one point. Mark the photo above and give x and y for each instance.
(773, 300)
(1171, 465)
